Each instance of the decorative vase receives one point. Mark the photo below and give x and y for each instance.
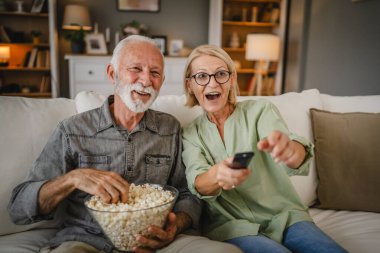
(77, 47)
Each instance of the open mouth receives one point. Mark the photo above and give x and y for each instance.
(213, 95)
(141, 93)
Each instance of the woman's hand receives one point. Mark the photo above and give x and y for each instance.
(221, 175)
(227, 177)
(282, 149)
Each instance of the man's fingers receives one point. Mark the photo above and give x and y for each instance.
(149, 243)
(109, 186)
(157, 232)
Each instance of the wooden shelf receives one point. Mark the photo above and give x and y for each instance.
(31, 94)
(24, 14)
(27, 44)
(246, 71)
(255, 24)
(254, 71)
(232, 50)
(15, 68)
(21, 77)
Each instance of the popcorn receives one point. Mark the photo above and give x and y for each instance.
(147, 205)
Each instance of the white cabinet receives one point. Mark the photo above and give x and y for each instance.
(88, 73)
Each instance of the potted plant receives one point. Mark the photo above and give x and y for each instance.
(133, 28)
(76, 37)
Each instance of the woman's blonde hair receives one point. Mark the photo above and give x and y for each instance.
(210, 50)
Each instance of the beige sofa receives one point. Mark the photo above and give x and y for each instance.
(27, 123)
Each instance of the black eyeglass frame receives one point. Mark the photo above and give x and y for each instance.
(209, 77)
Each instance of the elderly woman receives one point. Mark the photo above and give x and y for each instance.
(255, 208)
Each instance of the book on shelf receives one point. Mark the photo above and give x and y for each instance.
(45, 83)
(275, 15)
(251, 85)
(4, 36)
(40, 61)
(255, 12)
(47, 58)
(268, 85)
(42, 83)
(25, 61)
(32, 58)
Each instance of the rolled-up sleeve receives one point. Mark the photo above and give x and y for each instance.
(271, 120)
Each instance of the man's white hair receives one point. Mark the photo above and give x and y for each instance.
(123, 43)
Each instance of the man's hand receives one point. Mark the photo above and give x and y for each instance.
(159, 238)
(109, 186)
(282, 149)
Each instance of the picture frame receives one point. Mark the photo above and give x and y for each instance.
(139, 5)
(37, 6)
(175, 47)
(95, 43)
(160, 41)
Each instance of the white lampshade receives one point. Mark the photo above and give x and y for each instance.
(262, 47)
(5, 53)
(76, 17)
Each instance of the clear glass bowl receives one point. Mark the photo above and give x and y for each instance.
(123, 227)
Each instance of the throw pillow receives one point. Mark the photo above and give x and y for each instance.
(347, 152)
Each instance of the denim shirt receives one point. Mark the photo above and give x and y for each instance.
(151, 153)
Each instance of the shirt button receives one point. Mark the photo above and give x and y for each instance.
(129, 139)
(129, 168)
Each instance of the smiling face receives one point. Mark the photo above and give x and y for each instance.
(139, 75)
(213, 97)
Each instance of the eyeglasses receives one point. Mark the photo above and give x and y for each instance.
(203, 79)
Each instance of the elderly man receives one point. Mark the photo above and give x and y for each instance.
(102, 151)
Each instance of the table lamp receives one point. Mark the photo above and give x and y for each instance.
(262, 48)
(76, 18)
(4, 56)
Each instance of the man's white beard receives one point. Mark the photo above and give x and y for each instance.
(125, 93)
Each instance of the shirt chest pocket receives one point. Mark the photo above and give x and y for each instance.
(157, 168)
(101, 162)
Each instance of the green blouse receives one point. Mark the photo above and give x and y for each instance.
(266, 203)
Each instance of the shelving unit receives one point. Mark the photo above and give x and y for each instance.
(237, 16)
(24, 76)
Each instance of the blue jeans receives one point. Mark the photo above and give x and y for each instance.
(301, 237)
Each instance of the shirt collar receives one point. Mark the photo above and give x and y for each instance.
(106, 119)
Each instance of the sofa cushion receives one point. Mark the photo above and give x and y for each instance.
(347, 150)
(350, 103)
(87, 100)
(357, 232)
(25, 126)
(26, 242)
